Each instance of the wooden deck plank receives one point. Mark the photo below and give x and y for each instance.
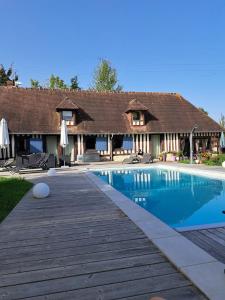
(183, 293)
(68, 260)
(74, 269)
(211, 240)
(28, 232)
(77, 244)
(123, 289)
(84, 281)
(72, 250)
(68, 236)
(53, 245)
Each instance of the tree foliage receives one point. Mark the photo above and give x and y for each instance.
(35, 84)
(105, 77)
(7, 75)
(55, 82)
(203, 110)
(74, 83)
(222, 121)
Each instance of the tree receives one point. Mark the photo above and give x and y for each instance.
(203, 110)
(56, 83)
(74, 83)
(222, 121)
(7, 75)
(105, 77)
(34, 84)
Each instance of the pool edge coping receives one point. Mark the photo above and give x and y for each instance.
(195, 263)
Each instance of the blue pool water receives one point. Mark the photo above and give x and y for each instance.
(178, 199)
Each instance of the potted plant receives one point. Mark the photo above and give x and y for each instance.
(198, 159)
(174, 156)
(164, 156)
(161, 156)
(179, 155)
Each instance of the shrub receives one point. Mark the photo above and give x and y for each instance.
(215, 161)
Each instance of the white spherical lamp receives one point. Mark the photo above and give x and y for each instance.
(41, 190)
(223, 164)
(51, 172)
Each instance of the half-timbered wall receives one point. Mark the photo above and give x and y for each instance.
(171, 142)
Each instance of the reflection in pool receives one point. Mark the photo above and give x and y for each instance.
(178, 199)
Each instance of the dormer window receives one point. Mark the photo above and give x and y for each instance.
(67, 115)
(136, 112)
(67, 110)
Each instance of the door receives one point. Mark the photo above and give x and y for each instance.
(155, 145)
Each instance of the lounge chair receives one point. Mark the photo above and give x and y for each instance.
(147, 158)
(132, 159)
(34, 162)
(4, 164)
(44, 162)
(38, 160)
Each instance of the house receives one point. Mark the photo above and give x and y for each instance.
(112, 124)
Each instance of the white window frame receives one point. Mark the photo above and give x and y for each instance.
(67, 115)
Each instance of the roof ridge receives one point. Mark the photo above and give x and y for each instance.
(43, 89)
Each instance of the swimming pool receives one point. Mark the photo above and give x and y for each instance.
(180, 200)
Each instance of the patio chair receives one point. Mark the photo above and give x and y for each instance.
(2, 162)
(43, 162)
(147, 158)
(34, 160)
(37, 161)
(9, 164)
(132, 159)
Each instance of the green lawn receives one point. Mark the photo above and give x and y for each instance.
(11, 191)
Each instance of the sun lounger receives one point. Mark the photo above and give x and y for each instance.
(6, 163)
(132, 159)
(33, 162)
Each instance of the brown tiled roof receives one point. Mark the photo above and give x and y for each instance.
(67, 104)
(34, 111)
(135, 105)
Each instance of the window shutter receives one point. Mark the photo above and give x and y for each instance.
(127, 143)
(101, 144)
(36, 145)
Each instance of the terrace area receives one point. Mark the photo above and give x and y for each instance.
(78, 244)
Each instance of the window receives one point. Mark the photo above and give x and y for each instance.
(67, 115)
(136, 116)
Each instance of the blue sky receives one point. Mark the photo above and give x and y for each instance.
(155, 45)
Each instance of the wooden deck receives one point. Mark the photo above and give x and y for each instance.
(77, 244)
(211, 240)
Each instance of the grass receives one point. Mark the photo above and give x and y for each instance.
(185, 161)
(12, 190)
